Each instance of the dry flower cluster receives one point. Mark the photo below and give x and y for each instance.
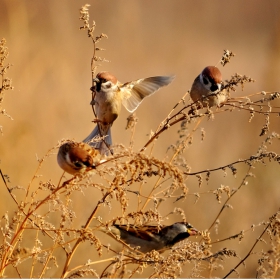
(43, 236)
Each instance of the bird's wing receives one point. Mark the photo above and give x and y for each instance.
(134, 92)
(143, 232)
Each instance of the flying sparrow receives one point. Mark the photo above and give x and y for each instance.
(148, 238)
(74, 157)
(206, 88)
(110, 95)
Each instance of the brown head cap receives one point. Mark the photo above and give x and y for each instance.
(104, 75)
(213, 73)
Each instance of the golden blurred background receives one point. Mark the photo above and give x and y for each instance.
(51, 78)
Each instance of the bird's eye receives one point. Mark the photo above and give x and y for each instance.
(205, 81)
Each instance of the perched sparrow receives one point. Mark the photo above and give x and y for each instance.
(111, 95)
(74, 157)
(206, 87)
(149, 238)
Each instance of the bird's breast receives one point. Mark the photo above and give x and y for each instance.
(108, 106)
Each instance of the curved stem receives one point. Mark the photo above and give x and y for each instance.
(17, 235)
(224, 205)
(249, 253)
(71, 254)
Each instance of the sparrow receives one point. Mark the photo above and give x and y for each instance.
(110, 95)
(74, 157)
(206, 88)
(148, 238)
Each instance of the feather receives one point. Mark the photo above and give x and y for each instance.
(135, 92)
(100, 145)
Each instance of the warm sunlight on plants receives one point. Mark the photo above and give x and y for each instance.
(51, 232)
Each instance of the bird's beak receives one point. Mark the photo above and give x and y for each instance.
(192, 231)
(96, 80)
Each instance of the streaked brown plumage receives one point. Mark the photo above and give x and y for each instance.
(149, 238)
(74, 157)
(110, 95)
(206, 87)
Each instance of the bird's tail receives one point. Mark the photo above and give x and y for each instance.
(100, 142)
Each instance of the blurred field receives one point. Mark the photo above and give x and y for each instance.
(51, 76)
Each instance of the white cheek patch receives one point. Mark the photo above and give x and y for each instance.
(208, 85)
(67, 158)
(106, 85)
(108, 89)
(201, 79)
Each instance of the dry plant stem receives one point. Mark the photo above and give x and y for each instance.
(91, 263)
(228, 165)
(249, 253)
(5, 183)
(248, 109)
(131, 142)
(193, 130)
(114, 260)
(47, 261)
(116, 266)
(19, 275)
(166, 124)
(36, 172)
(30, 219)
(135, 271)
(139, 196)
(161, 191)
(223, 207)
(152, 148)
(19, 232)
(233, 236)
(173, 157)
(34, 258)
(103, 272)
(246, 97)
(60, 179)
(150, 194)
(71, 254)
(168, 121)
(55, 246)
(93, 92)
(168, 116)
(165, 127)
(51, 249)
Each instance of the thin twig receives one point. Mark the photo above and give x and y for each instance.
(250, 251)
(227, 200)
